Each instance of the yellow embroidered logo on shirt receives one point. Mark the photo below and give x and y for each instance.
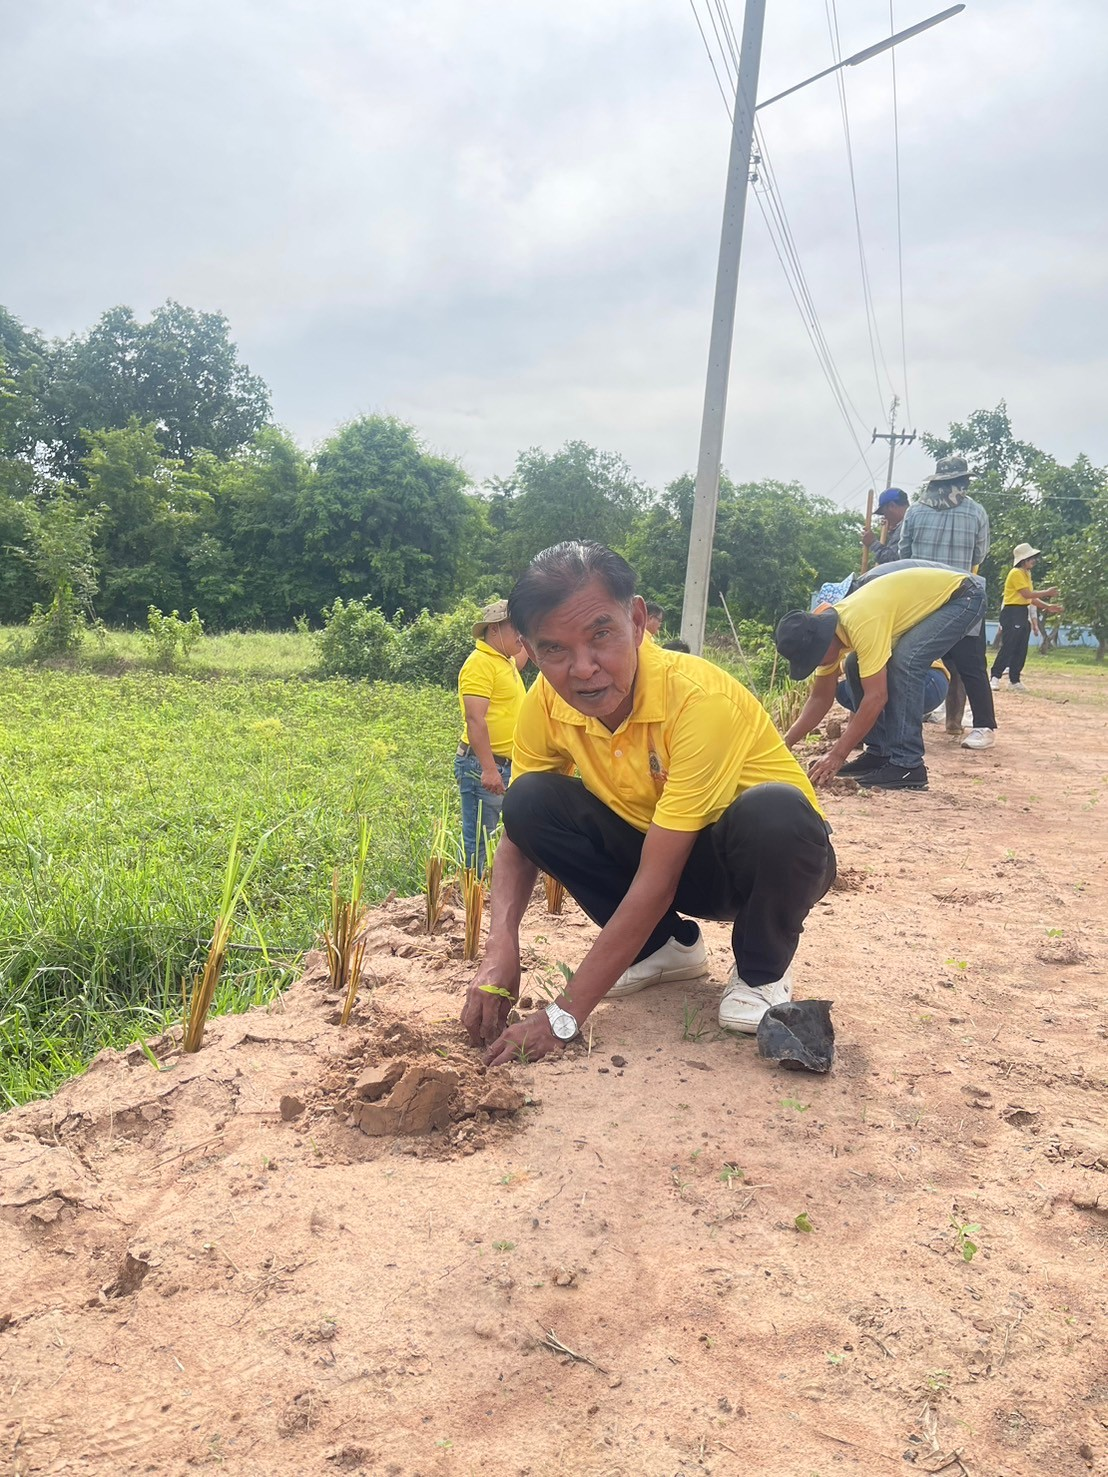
(657, 773)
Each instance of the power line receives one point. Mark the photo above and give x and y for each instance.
(899, 235)
(875, 345)
(778, 228)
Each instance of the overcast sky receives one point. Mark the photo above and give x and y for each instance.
(500, 220)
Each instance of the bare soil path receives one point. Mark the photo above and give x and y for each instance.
(209, 1265)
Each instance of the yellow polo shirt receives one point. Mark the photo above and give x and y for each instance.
(695, 740)
(873, 619)
(487, 673)
(1018, 587)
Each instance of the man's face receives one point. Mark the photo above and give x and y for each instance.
(587, 648)
(893, 514)
(654, 624)
(503, 637)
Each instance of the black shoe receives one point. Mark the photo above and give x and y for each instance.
(865, 763)
(895, 777)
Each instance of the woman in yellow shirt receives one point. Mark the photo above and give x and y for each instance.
(1018, 617)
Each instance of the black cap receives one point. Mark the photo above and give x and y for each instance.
(802, 638)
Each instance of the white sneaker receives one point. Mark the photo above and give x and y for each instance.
(673, 961)
(994, 683)
(742, 1006)
(936, 715)
(979, 738)
(1019, 687)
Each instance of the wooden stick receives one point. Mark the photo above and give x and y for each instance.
(869, 527)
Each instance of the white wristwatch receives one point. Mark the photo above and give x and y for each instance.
(561, 1022)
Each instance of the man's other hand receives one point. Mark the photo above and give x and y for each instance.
(527, 1041)
(485, 1013)
(491, 781)
(826, 768)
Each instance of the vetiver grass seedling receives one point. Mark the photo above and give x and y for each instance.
(435, 863)
(345, 948)
(555, 893)
(198, 1001)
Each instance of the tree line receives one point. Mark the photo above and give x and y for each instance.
(139, 467)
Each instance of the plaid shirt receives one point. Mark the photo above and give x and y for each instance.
(957, 537)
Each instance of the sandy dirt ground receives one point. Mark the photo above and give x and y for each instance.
(247, 1260)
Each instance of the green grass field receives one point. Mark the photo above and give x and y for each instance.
(119, 797)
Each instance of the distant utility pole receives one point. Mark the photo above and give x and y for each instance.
(894, 437)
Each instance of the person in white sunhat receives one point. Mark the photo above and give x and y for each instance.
(1018, 617)
(656, 789)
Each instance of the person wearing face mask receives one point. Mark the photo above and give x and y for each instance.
(490, 693)
(656, 789)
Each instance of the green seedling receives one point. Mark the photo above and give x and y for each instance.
(496, 990)
(964, 1231)
(835, 1358)
(731, 1172)
(150, 1057)
(803, 1223)
(938, 1380)
(795, 1104)
(691, 1027)
(503, 1246)
(1055, 933)
(959, 964)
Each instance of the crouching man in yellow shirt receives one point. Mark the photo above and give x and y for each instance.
(685, 801)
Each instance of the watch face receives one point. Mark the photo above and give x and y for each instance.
(561, 1023)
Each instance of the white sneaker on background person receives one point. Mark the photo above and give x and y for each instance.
(742, 1006)
(936, 715)
(673, 961)
(994, 683)
(979, 738)
(1019, 687)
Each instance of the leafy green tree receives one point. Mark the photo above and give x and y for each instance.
(774, 544)
(22, 376)
(385, 520)
(249, 567)
(179, 372)
(150, 510)
(1081, 571)
(575, 493)
(60, 551)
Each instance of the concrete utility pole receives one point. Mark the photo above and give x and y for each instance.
(894, 437)
(694, 612)
(706, 499)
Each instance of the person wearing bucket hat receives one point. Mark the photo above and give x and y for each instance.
(948, 526)
(490, 693)
(896, 625)
(656, 789)
(1018, 617)
(892, 507)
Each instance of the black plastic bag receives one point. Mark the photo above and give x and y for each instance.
(799, 1035)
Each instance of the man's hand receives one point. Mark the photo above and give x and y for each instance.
(826, 767)
(485, 1012)
(527, 1041)
(869, 537)
(491, 781)
(1053, 609)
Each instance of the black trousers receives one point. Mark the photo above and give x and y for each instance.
(969, 660)
(1015, 634)
(762, 866)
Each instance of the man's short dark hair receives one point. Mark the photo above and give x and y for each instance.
(655, 611)
(677, 645)
(559, 572)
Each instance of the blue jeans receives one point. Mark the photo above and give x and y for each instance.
(935, 688)
(478, 805)
(898, 732)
